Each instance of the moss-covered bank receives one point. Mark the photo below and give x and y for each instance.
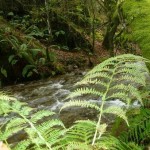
(138, 16)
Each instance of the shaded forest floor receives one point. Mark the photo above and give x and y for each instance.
(64, 61)
(81, 59)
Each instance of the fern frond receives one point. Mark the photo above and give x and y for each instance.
(134, 146)
(41, 114)
(92, 81)
(14, 122)
(109, 143)
(128, 91)
(139, 127)
(86, 90)
(4, 103)
(49, 124)
(128, 70)
(117, 111)
(135, 79)
(79, 146)
(101, 66)
(8, 133)
(82, 131)
(4, 107)
(5, 97)
(55, 137)
(41, 136)
(116, 78)
(101, 74)
(118, 95)
(22, 145)
(80, 103)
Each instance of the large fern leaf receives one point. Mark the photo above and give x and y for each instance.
(40, 135)
(116, 78)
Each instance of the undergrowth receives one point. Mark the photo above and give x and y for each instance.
(116, 78)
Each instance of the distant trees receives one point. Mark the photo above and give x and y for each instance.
(112, 10)
(73, 23)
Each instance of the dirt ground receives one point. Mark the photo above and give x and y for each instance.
(81, 59)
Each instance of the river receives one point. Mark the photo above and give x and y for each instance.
(51, 94)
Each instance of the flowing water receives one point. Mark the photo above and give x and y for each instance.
(51, 94)
(48, 93)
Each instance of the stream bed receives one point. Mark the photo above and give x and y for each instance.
(51, 94)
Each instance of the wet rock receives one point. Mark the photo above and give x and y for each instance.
(69, 68)
(70, 115)
(78, 72)
(75, 67)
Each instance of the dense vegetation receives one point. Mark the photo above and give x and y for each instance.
(138, 20)
(33, 33)
(120, 78)
(34, 28)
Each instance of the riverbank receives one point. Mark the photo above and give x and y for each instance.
(25, 58)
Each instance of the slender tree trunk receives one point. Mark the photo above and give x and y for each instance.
(114, 12)
(93, 27)
(48, 18)
(108, 42)
(47, 55)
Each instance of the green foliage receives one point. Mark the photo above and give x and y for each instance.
(4, 72)
(41, 135)
(12, 60)
(138, 18)
(28, 70)
(22, 52)
(116, 78)
(139, 131)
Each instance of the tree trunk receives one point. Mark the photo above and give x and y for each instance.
(93, 27)
(108, 42)
(48, 18)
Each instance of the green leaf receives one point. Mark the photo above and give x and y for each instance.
(30, 74)
(11, 57)
(14, 62)
(4, 72)
(53, 73)
(23, 47)
(61, 32)
(35, 70)
(26, 69)
(80, 103)
(42, 61)
(10, 14)
(117, 111)
(36, 51)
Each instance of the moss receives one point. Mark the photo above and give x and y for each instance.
(139, 15)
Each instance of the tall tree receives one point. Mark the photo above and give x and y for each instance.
(112, 10)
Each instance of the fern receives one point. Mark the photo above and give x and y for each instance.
(114, 78)
(118, 77)
(109, 142)
(79, 136)
(41, 135)
(139, 130)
